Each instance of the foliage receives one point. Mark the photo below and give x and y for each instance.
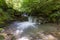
(23, 5)
(48, 9)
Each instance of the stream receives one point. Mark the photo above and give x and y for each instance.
(31, 30)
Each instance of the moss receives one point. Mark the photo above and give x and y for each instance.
(1, 28)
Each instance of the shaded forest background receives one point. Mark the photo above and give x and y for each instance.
(45, 10)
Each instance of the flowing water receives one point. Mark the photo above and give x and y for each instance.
(22, 29)
(31, 30)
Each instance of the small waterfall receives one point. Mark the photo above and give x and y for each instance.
(30, 19)
(22, 26)
(19, 29)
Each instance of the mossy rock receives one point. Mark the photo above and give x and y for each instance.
(1, 29)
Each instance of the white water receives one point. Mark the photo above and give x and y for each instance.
(22, 26)
(23, 38)
(19, 28)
